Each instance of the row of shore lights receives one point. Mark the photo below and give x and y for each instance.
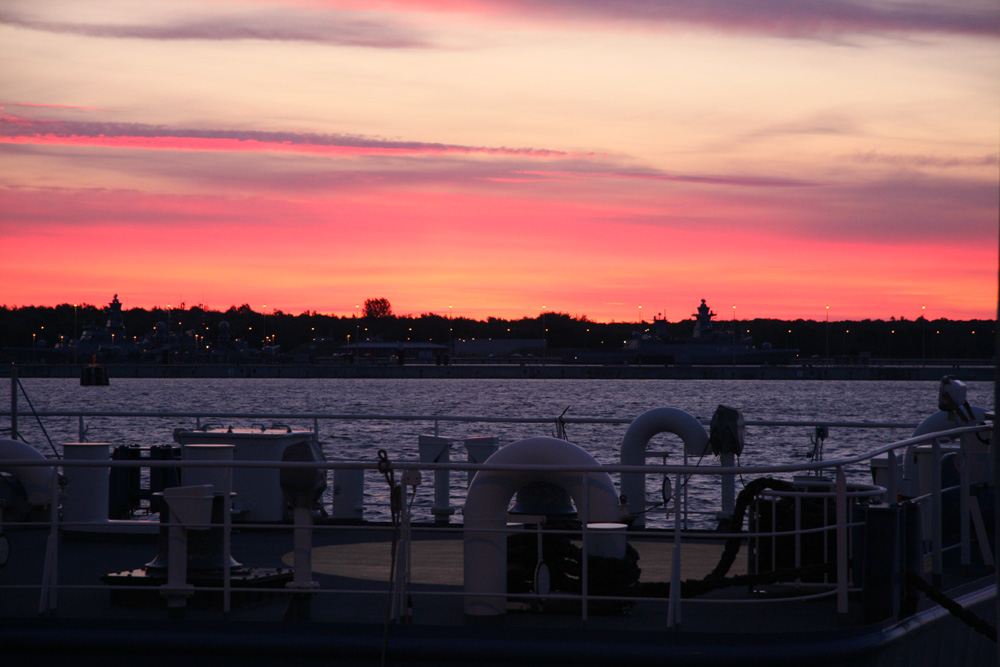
(357, 308)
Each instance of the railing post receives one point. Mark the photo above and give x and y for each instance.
(964, 511)
(798, 535)
(683, 491)
(841, 512)
(227, 530)
(892, 494)
(13, 402)
(405, 611)
(728, 486)
(585, 570)
(50, 567)
(937, 562)
(674, 603)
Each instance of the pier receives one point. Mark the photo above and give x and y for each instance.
(969, 371)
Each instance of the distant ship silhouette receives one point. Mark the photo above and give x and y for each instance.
(708, 345)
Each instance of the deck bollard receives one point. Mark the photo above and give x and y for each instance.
(190, 508)
(437, 449)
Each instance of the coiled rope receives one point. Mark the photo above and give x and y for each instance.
(743, 500)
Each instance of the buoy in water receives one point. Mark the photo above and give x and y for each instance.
(94, 375)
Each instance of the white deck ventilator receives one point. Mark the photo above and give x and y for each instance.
(633, 450)
(485, 534)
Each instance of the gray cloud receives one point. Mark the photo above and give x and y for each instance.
(831, 20)
(24, 127)
(310, 173)
(941, 161)
(903, 207)
(275, 25)
(818, 124)
(824, 19)
(890, 209)
(894, 210)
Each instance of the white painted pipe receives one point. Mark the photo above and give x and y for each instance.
(485, 534)
(633, 450)
(37, 481)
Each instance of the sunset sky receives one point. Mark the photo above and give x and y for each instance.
(494, 157)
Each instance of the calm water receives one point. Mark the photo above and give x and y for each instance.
(905, 402)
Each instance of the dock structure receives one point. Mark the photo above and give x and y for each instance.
(557, 371)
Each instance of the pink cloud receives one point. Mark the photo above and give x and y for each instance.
(16, 129)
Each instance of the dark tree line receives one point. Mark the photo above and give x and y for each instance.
(28, 326)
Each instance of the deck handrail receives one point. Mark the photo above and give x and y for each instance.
(310, 416)
(407, 464)
(838, 487)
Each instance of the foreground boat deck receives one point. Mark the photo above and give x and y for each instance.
(345, 621)
(834, 561)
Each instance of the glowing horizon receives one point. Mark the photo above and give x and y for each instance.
(488, 157)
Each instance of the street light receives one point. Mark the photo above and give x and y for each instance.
(545, 345)
(451, 342)
(735, 337)
(923, 338)
(828, 332)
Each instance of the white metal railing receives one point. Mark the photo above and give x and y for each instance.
(435, 420)
(839, 491)
(85, 419)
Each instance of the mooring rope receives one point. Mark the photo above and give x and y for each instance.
(957, 610)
